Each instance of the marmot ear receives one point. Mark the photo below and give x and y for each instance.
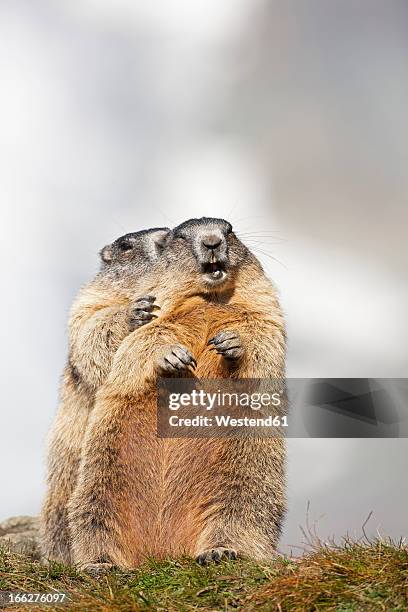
(106, 254)
(161, 240)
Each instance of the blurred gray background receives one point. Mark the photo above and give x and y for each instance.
(289, 119)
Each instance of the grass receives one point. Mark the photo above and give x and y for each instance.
(350, 577)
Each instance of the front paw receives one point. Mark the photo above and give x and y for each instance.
(215, 555)
(228, 344)
(142, 311)
(176, 359)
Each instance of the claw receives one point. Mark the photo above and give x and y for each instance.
(216, 555)
(147, 307)
(178, 359)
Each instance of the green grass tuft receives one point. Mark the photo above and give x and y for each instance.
(347, 578)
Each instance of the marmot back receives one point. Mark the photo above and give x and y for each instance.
(104, 313)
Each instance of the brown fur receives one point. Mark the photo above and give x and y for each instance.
(99, 321)
(138, 495)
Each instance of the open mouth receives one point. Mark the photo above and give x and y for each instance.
(214, 270)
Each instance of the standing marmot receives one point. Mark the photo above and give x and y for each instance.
(138, 495)
(104, 313)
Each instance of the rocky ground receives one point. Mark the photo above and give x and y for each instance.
(20, 533)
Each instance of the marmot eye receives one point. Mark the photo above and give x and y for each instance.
(125, 246)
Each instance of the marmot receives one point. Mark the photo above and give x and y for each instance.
(104, 313)
(140, 496)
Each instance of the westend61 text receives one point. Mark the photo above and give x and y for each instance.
(228, 421)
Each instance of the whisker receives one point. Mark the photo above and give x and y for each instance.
(260, 231)
(263, 240)
(263, 234)
(259, 235)
(257, 249)
(231, 212)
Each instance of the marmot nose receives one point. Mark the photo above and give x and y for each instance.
(211, 241)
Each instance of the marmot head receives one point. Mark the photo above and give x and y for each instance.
(207, 250)
(134, 251)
